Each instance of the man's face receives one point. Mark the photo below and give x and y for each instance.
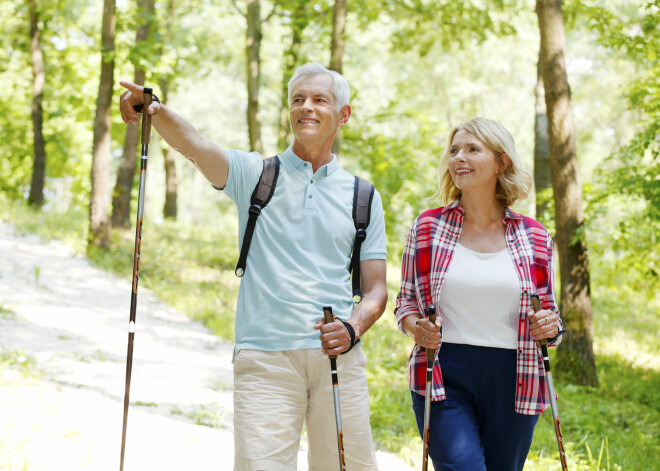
(313, 111)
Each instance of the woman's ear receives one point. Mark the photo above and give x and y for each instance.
(504, 163)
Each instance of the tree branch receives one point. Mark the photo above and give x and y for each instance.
(238, 9)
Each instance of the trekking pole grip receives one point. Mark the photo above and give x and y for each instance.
(536, 305)
(329, 318)
(146, 117)
(430, 352)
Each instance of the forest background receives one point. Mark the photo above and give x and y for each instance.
(417, 68)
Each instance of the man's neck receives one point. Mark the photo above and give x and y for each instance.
(312, 153)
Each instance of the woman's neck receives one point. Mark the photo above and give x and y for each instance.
(481, 209)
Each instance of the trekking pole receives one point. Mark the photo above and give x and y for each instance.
(146, 133)
(536, 304)
(430, 359)
(327, 313)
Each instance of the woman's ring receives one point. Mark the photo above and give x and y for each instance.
(547, 320)
(423, 338)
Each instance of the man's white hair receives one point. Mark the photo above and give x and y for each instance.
(340, 89)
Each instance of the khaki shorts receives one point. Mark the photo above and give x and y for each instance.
(275, 392)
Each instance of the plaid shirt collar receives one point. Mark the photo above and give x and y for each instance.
(508, 214)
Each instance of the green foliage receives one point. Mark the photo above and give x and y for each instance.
(6, 313)
(19, 363)
(404, 169)
(625, 201)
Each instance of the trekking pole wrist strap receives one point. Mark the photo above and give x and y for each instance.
(351, 332)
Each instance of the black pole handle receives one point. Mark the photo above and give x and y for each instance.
(430, 352)
(146, 117)
(536, 305)
(329, 318)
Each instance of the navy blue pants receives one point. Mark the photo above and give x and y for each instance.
(476, 428)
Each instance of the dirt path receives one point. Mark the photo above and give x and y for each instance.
(72, 320)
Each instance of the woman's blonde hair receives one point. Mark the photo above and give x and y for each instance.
(513, 184)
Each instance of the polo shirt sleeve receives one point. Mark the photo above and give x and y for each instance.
(244, 171)
(375, 245)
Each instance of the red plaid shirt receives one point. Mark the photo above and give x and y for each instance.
(426, 258)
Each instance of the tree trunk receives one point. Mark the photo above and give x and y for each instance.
(252, 48)
(542, 177)
(337, 50)
(36, 197)
(575, 358)
(171, 180)
(99, 205)
(121, 196)
(299, 22)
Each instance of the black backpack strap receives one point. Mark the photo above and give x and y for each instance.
(363, 195)
(261, 195)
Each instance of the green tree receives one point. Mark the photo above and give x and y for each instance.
(121, 196)
(99, 206)
(36, 197)
(337, 49)
(253, 36)
(626, 201)
(297, 15)
(542, 180)
(576, 358)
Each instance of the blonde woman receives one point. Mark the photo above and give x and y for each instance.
(478, 262)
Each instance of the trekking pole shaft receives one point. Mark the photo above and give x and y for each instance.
(536, 305)
(146, 133)
(329, 318)
(430, 359)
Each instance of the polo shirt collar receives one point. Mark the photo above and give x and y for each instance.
(296, 162)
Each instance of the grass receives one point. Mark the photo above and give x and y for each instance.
(6, 313)
(614, 427)
(15, 365)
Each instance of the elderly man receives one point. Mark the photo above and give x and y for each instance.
(297, 263)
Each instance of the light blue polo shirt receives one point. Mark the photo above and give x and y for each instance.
(300, 251)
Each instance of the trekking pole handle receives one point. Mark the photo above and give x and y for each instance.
(329, 318)
(536, 305)
(430, 352)
(146, 117)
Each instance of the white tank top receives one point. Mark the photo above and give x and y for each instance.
(480, 299)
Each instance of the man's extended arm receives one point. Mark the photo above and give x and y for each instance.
(208, 157)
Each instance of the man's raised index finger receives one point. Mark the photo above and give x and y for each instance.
(130, 86)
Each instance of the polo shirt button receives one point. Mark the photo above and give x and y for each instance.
(311, 181)
(310, 197)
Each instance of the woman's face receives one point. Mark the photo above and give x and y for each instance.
(472, 164)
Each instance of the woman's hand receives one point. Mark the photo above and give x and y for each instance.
(428, 335)
(542, 324)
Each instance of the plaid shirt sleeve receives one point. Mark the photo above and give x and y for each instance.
(532, 248)
(406, 300)
(547, 294)
(406, 304)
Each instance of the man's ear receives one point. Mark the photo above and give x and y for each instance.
(344, 114)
